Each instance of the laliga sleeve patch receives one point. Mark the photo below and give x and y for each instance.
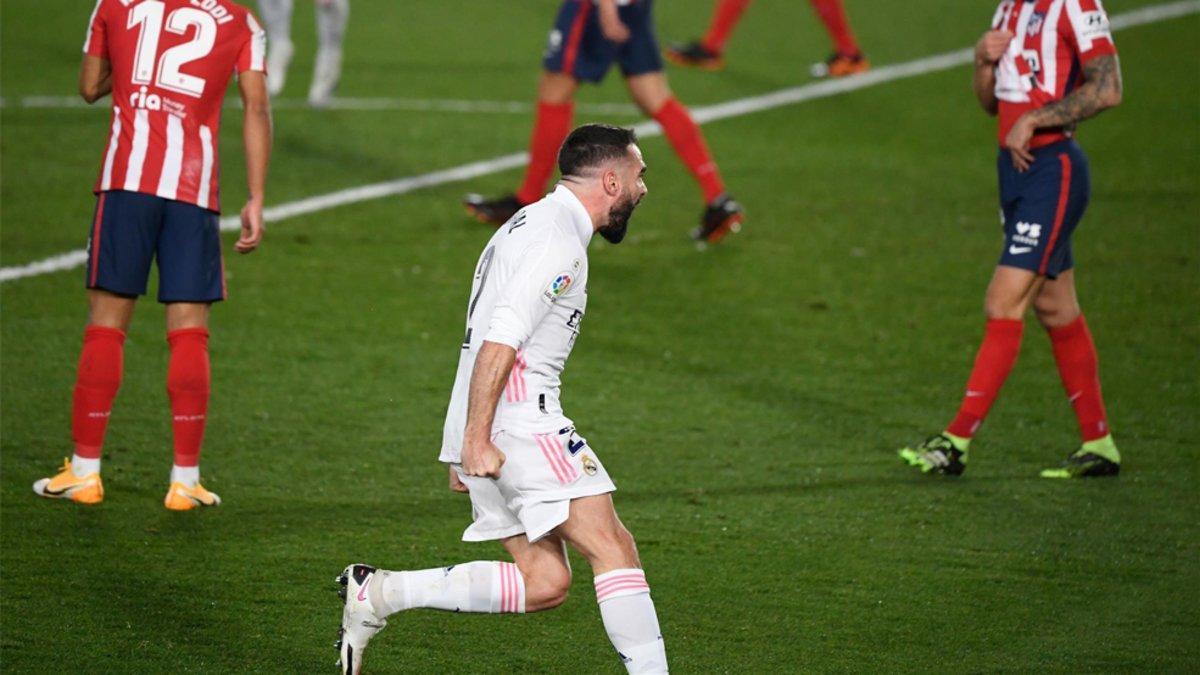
(558, 286)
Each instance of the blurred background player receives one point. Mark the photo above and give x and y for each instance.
(332, 16)
(588, 36)
(1043, 67)
(535, 484)
(167, 65)
(708, 52)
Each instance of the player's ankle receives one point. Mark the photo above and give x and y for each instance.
(188, 475)
(84, 466)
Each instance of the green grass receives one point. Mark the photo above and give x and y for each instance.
(747, 400)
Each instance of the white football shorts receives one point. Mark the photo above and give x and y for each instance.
(544, 469)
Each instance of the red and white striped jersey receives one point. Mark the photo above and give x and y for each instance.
(1044, 61)
(171, 63)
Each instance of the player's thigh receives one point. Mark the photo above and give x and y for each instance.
(556, 88)
(1010, 292)
(181, 315)
(190, 268)
(576, 46)
(640, 54)
(649, 91)
(595, 530)
(1044, 204)
(124, 233)
(1056, 303)
(110, 310)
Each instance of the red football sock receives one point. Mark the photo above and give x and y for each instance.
(550, 129)
(725, 18)
(833, 15)
(685, 137)
(1079, 369)
(997, 354)
(188, 381)
(96, 385)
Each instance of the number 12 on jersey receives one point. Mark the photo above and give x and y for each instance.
(148, 65)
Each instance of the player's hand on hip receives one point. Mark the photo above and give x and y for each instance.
(1017, 142)
(482, 459)
(613, 28)
(456, 483)
(991, 46)
(252, 226)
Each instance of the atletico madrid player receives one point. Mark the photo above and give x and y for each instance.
(588, 37)
(708, 52)
(1044, 66)
(166, 64)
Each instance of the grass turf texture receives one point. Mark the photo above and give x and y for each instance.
(747, 400)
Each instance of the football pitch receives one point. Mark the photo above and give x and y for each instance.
(747, 399)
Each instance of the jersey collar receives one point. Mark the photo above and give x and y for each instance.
(579, 215)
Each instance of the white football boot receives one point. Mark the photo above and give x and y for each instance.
(359, 621)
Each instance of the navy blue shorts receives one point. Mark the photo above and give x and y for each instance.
(578, 47)
(129, 229)
(1042, 206)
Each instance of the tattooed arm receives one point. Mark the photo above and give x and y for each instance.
(1101, 90)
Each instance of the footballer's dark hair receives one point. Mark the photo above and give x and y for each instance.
(591, 145)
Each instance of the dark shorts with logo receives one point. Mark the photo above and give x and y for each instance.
(1042, 206)
(130, 230)
(578, 47)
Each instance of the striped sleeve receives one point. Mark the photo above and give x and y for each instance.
(1088, 29)
(254, 52)
(95, 43)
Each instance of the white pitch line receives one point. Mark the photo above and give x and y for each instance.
(347, 104)
(736, 108)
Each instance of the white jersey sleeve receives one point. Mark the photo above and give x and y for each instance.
(529, 290)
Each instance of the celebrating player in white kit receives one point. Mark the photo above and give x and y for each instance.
(534, 482)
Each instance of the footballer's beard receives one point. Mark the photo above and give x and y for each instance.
(618, 219)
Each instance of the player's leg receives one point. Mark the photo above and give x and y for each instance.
(575, 51)
(538, 580)
(123, 235)
(630, 618)
(1008, 296)
(552, 123)
(847, 58)
(277, 21)
(332, 17)
(191, 278)
(706, 52)
(1078, 366)
(653, 95)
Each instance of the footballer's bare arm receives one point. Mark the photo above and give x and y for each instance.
(493, 364)
(1101, 90)
(95, 78)
(256, 137)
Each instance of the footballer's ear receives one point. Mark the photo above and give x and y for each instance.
(611, 181)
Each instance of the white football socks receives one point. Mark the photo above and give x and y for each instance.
(481, 586)
(83, 466)
(188, 475)
(332, 17)
(630, 619)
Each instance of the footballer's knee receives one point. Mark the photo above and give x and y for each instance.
(546, 587)
(613, 548)
(1054, 312)
(556, 88)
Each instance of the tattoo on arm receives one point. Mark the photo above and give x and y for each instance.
(1101, 84)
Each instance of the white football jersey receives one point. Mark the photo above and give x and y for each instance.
(530, 293)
